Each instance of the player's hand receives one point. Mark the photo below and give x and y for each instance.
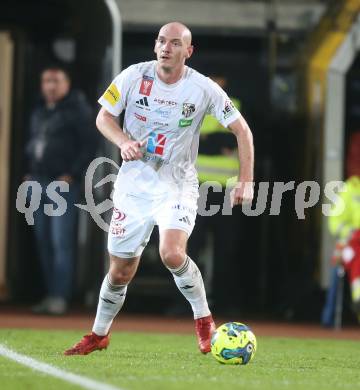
(243, 192)
(131, 150)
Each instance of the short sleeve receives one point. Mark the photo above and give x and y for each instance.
(221, 106)
(114, 98)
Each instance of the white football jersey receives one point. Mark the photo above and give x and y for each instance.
(168, 117)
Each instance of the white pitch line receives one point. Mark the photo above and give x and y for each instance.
(82, 381)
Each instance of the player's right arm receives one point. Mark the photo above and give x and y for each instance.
(113, 102)
(110, 129)
(222, 108)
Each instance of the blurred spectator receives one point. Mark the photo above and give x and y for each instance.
(60, 146)
(217, 161)
(353, 155)
(345, 227)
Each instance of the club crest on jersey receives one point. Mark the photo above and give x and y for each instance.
(188, 109)
(146, 85)
(156, 143)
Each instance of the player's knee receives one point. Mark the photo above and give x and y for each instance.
(172, 257)
(121, 275)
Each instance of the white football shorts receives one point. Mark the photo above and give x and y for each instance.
(134, 218)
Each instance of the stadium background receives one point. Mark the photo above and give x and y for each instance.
(278, 57)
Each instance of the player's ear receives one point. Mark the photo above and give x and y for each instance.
(155, 46)
(190, 50)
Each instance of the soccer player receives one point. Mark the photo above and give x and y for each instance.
(165, 102)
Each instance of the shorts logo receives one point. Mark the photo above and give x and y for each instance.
(229, 109)
(156, 144)
(188, 109)
(112, 95)
(185, 122)
(146, 85)
(140, 117)
(116, 229)
(185, 219)
(118, 215)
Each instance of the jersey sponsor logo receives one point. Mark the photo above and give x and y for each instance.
(229, 109)
(165, 102)
(160, 124)
(140, 117)
(188, 109)
(146, 85)
(112, 95)
(163, 113)
(185, 122)
(156, 144)
(155, 159)
(143, 104)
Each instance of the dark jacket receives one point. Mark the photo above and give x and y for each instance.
(62, 139)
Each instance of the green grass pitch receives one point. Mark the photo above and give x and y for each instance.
(156, 361)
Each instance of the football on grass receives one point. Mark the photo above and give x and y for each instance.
(233, 343)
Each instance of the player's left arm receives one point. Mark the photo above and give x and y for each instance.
(243, 191)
